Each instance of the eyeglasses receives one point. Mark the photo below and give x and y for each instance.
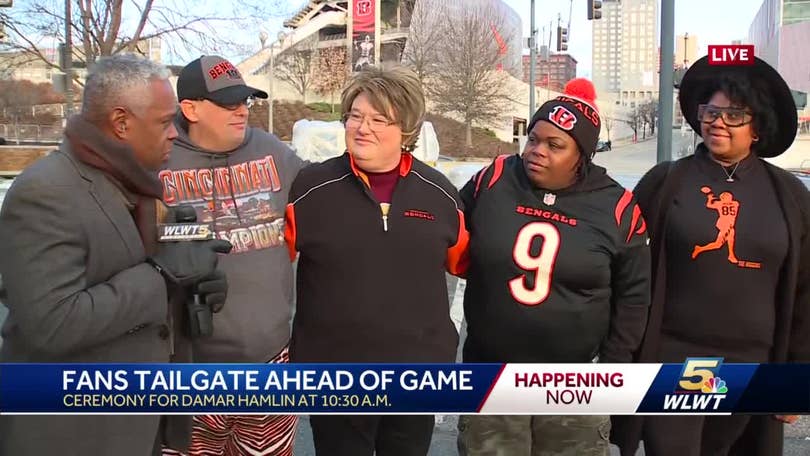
(376, 123)
(732, 117)
(249, 102)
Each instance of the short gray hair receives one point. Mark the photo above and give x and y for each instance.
(119, 80)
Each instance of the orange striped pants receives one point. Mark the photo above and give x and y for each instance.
(236, 435)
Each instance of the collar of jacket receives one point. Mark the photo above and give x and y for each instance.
(405, 165)
(115, 158)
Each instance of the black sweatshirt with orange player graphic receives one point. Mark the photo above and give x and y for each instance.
(726, 243)
(553, 276)
(371, 282)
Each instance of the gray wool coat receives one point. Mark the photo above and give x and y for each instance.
(78, 291)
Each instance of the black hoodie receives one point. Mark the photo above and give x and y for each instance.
(242, 194)
(554, 276)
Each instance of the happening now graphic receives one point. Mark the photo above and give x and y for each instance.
(727, 209)
(692, 387)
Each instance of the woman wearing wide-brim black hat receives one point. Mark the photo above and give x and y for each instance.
(730, 240)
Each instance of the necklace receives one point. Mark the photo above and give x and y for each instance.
(730, 175)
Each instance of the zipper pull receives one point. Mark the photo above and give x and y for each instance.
(384, 208)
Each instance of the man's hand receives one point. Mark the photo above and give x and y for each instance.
(213, 290)
(187, 263)
(787, 419)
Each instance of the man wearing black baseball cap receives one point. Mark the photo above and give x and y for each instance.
(237, 178)
(213, 78)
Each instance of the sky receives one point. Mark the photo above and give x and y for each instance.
(712, 21)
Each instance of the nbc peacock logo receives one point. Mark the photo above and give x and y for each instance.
(715, 385)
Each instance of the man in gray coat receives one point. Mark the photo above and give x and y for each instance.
(84, 277)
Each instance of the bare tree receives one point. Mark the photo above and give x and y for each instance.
(106, 27)
(425, 34)
(648, 111)
(607, 114)
(466, 79)
(652, 114)
(635, 120)
(331, 73)
(296, 66)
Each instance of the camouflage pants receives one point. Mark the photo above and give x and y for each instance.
(497, 435)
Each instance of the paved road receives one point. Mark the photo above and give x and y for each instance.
(636, 158)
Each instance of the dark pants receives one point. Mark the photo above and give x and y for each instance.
(359, 435)
(690, 435)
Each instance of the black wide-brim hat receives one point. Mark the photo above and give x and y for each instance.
(763, 77)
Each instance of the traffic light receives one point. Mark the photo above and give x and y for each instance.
(562, 39)
(594, 9)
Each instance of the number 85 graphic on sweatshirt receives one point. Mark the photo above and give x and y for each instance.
(541, 265)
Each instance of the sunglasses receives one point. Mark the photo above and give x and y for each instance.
(732, 117)
(249, 102)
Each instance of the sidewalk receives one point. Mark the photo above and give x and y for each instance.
(629, 140)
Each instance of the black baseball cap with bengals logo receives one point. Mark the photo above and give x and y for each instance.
(211, 77)
(575, 113)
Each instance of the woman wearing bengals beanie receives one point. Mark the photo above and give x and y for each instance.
(559, 272)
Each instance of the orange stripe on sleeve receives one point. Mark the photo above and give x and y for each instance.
(290, 233)
(478, 180)
(498, 170)
(624, 201)
(636, 216)
(458, 259)
(642, 228)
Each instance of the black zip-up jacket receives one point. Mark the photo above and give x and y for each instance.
(372, 287)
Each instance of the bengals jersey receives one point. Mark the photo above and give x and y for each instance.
(553, 276)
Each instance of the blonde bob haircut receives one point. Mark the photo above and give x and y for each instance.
(395, 92)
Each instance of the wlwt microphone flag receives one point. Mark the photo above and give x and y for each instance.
(699, 386)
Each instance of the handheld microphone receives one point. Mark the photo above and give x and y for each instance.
(186, 228)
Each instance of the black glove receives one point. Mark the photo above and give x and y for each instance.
(186, 263)
(213, 290)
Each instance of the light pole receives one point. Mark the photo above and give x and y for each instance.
(263, 36)
(68, 63)
(532, 60)
(665, 81)
(685, 50)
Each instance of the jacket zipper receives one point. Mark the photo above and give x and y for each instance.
(385, 208)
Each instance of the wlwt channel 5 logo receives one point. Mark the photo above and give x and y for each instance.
(699, 388)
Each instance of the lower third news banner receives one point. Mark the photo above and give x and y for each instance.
(699, 385)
